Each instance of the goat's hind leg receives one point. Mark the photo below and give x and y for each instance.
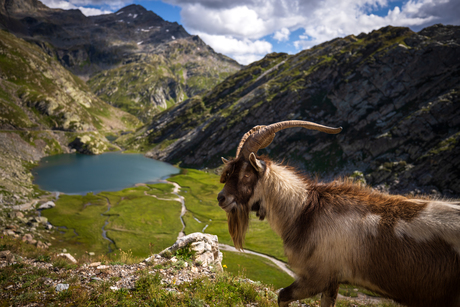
(303, 288)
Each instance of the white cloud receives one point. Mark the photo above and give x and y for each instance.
(88, 11)
(66, 5)
(282, 35)
(340, 19)
(238, 21)
(250, 19)
(243, 51)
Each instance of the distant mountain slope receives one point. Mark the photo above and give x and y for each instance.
(45, 110)
(395, 92)
(36, 92)
(120, 49)
(149, 82)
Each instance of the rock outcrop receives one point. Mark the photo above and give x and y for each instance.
(395, 92)
(204, 246)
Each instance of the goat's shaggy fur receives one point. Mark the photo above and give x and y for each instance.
(403, 248)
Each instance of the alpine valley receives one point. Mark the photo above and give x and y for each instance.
(134, 82)
(67, 81)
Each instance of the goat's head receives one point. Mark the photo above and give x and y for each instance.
(242, 175)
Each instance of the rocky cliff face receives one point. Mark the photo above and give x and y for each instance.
(136, 60)
(395, 93)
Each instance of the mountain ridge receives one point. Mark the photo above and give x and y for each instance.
(394, 91)
(95, 47)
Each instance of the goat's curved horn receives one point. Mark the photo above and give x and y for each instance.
(261, 136)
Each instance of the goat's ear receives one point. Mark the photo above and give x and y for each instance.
(255, 163)
(224, 160)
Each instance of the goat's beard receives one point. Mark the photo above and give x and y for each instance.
(238, 221)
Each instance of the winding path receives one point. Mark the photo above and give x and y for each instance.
(104, 232)
(179, 198)
(278, 263)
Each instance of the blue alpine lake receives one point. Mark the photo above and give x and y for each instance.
(81, 174)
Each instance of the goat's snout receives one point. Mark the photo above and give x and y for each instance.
(220, 198)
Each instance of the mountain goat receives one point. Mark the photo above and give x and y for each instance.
(403, 248)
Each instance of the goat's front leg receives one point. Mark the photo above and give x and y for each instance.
(329, 296)
(303, 288)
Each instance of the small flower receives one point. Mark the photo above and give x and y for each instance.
(225, 266)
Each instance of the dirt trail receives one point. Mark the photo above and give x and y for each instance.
(179, 199)
(277, 262)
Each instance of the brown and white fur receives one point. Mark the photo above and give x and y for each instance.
(341, 232)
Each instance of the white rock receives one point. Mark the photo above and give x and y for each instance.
(47, 205)
(103, 267)
(68, 256)
(62, 287)
(198, 247)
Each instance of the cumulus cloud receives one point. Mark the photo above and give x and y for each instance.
(243, 51)
(341, 19)
(282, 35)
(82, 6)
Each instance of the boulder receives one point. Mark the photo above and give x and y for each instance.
(61, 287)
(41, 245)
(40, 219)
(47, 205)
(205, 246)
(29, 239)
(16, 214)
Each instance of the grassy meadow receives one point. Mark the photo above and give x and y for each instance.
(145, 219)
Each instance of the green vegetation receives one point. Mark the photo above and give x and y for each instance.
(135, 221)
(145, 220)
(445, 145)
(31, 280)
(80, 221)
(255, 268)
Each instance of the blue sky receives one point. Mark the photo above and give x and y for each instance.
(247, 30)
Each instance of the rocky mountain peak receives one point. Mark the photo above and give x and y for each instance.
(132, 14)
(132, 9)
(8, 7)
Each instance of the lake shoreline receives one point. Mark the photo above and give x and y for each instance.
(79, 174)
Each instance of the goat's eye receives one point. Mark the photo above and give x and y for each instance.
(246, 176)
